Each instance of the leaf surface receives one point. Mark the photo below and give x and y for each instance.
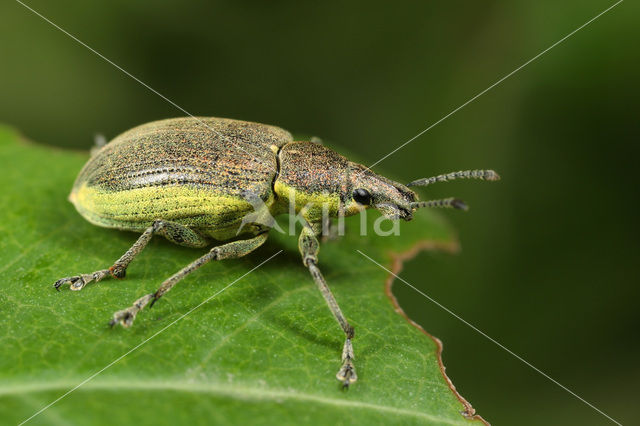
(263, 351)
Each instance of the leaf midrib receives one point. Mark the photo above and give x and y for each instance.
(226, 390)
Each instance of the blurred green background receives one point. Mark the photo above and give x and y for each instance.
(549, 261)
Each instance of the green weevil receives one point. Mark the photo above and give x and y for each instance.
(187, 179)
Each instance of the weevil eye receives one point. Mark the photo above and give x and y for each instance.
(362, 196)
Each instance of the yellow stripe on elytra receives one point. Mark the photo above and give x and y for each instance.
(150, 203)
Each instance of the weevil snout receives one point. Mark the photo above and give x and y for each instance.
(396, 201)
(398, 208)
(390, 198)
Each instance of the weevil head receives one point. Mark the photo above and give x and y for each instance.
(313, 178)
(370, 190)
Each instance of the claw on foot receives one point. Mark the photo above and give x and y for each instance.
(154, 300)
(347, 374)
(75, 283)
(126, 316)
(78, 282)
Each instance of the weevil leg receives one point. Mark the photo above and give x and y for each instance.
(330, 230)
(230, 250)
(309, 247)
(174, 232)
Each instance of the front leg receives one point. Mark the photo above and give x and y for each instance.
(309, 247)
(330, 231)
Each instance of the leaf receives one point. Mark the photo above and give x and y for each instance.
(264, 351)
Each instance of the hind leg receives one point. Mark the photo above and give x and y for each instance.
(174, 232)
(230, 250)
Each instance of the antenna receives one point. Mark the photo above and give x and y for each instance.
(463, 174)
(448, 203)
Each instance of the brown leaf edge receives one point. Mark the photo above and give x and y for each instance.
(397, 263)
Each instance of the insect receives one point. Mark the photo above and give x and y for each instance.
(187, 179)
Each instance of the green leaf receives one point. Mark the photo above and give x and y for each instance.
(264, 351)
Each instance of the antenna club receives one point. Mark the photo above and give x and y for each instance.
(491, 175)
(457, 203)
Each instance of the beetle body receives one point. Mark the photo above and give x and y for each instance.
(198, 172)
(195, 181)
(180, 170)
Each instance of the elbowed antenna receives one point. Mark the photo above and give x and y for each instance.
(450, 203)
(463, 174)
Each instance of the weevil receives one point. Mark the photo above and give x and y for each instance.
(187, 179)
